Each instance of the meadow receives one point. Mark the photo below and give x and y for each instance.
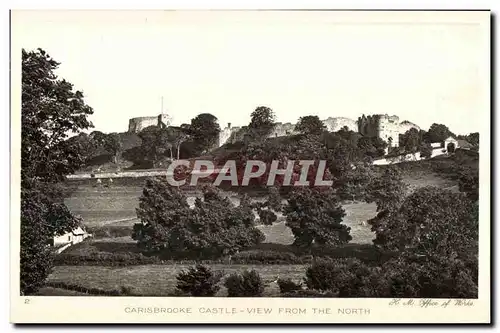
(109, 213)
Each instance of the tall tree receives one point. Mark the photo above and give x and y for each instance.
(438, 133)
(80, 148)
(155, 143)
(310, 125)
(205, 131)
(50, 110)
(262, 122)
(411, 140)
(315, 216)
(113, 145)
(177, 136)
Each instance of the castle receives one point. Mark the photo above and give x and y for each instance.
(135, 125)
(383, 126)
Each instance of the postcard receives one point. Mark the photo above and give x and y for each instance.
(250, 166)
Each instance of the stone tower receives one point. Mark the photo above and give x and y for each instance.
(164, 120)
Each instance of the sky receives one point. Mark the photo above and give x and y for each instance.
(421, 67)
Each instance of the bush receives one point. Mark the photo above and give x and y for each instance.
(246, 284)
(345, 277)
(104, 259)
(199, 281)
(123, 291)
(287, 285)
(267, 217)
(429, 277)
(110, 231)
(265, 257)
(425, 150)
(309, 294)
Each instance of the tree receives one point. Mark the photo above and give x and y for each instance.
(155, 143)
(315, 216)
(213, 227)
(50, 110)
(438, 133)
(262, 122)
(387, 190)
(425, 150)
(310, 125)
(355, 183)
(468, 182)
(113, 145)
(205, 131)
(43, 216)
(98, 137)
(431, 222)
(79, 149)
(177, 136)
(372, 147)
(411, 140)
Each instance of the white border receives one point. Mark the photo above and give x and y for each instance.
(224, 4)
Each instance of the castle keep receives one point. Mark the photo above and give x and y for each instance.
(135, 125)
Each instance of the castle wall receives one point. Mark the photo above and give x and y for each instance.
(369, 125)
(283, 130)
(164, 120)
(406, 126)
(135, 125)
(389, 129)
(385, 127)
(334, 124)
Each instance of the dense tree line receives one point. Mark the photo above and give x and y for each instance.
(51, 111)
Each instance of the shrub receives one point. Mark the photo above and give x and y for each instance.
(123, 291)
(104, 259)
(199, 281)
(246, 284)
(430, 277)
(267, 217)
(126, 290)
(110, 231)
(346, 277)
(425, 150)
(309, 294)
(265, 257)
(287, 285)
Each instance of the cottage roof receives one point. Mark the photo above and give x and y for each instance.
(464, 144)
(78, 231)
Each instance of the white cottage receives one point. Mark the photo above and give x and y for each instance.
(73, 237)
(451, 144)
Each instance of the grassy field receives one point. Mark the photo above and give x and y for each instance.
(111, 211)
(159, 280)
(115, 207)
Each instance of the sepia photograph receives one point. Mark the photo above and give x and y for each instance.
(250, 166)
